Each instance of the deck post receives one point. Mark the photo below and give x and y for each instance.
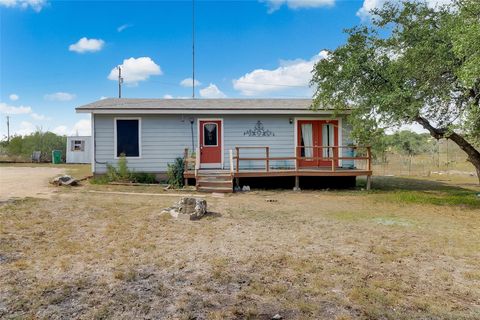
(267, 161)
(237, 149)
(185, 182)
(297, 184)
(369, 182)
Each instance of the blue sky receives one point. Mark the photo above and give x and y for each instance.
(56, 55)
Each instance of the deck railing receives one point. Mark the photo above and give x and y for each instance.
(363, 154)
(316, 160)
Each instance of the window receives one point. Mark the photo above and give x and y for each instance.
(210, 134)
(78, 145)
(128, 137)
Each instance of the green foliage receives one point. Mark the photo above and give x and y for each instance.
(410, 143)
(143, 177)
(175, 173)
(21, 147)
(123, 174)
(413, 63)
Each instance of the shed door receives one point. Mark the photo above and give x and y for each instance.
(210, 143)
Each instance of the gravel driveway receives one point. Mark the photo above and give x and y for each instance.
(20, 182)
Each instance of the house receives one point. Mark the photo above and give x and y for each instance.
(78, 149)
(225, 140)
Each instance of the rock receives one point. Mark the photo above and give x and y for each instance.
(64, 180)
(188, 208)
(277, 317)
(246, 188)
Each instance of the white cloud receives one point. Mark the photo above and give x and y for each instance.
(168, 96)
(81, 127)
(274, 5)
(290, 77)
(188, 82)
(60, 130)
(368, 5)
(25, 128)
(123, 27)
(36, 5)
(7, 109)
(39, 117)
(212, 92)
(59, 96)
(13, 97)
(135, 70)
(12, 110)
(87, 45)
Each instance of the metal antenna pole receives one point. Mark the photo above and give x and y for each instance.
(120, 81)
(193, 49)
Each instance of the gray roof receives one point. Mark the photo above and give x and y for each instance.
(127, 105)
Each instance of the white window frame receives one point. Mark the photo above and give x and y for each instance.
(139, 136)
(82, 144)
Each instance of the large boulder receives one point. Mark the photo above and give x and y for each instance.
(188, 208)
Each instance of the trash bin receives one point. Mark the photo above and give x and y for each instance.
(56, 156)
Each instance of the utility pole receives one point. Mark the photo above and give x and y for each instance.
(8, 128)
(193, 49)
(120, 81)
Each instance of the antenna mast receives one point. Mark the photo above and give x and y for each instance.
(120, 81)
(193, 49)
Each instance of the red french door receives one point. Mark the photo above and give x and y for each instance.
(313, 134)
(210, 143)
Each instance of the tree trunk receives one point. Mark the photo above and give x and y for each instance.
(439, 133)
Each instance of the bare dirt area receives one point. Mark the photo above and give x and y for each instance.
(409, 249)
(21, 182)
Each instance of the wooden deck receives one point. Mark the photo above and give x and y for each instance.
(302, 172)
(193, 169)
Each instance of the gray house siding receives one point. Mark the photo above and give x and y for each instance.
(164, 138)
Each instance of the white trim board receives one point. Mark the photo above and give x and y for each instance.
(207, 111)
(139, 136)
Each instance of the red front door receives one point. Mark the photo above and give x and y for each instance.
(211, 143)
(314, 137)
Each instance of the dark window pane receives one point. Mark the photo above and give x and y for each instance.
(127, 138)
(210, 134)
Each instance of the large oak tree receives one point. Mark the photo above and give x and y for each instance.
(411, 64)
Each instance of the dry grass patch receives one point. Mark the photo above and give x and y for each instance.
(331, 255)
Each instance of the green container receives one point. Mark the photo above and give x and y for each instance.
(56, 156)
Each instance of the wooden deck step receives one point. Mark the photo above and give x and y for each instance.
(214, 181)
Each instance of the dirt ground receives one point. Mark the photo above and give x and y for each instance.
(409, 249)
(21, 182)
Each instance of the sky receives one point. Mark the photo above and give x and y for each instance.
(58, 55)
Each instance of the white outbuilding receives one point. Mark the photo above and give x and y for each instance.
(79, 149)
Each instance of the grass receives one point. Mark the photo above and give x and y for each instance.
(410, 248)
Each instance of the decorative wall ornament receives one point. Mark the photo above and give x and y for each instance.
(258, 131)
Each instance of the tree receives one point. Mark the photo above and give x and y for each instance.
(413, 63)
(23, 146)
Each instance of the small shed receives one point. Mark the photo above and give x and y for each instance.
(79, 149)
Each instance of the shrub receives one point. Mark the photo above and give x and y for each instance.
(142, 177)
(175, 173)
(122, 174)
